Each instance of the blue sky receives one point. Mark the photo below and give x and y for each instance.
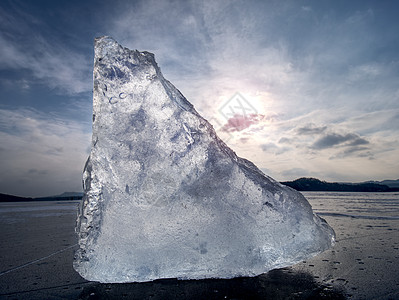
(320, 78)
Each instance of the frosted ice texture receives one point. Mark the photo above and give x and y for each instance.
(166, 198)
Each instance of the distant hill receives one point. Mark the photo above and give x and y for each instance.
(313, 184)
(11, 198)
(390, 183)
(63, 197)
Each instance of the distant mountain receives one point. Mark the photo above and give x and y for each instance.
(63, 197)
(313, 184)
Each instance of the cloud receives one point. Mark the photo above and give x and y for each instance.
(273, 148)
(269, 146)
(360, 17)
(311, 129)
(40, 58)
(41, 154)
(284, 140)
(365, 72)
(356, 141)
(334, 139)
(354, 151)
(375, 122)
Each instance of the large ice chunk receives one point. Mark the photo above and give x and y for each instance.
(166, 198)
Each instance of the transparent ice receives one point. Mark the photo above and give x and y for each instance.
(166, 198)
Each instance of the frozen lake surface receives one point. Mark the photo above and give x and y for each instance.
(37, 241)
(355, 205)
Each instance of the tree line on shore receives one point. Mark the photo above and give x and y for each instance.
(313, 184)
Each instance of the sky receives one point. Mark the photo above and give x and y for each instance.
(300, 88)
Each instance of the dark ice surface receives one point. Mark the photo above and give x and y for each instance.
(37, 241)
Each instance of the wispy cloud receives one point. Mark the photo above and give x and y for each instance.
(45, 60)
(311, 129)
(336, 139)
(357, 151)
(274, 148)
